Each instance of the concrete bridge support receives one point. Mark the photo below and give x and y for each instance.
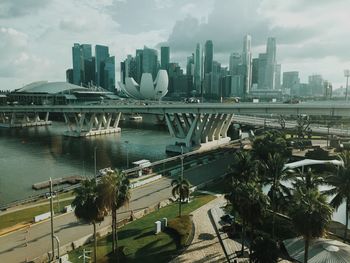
(20, 120)
(89, 124)
(194, 131)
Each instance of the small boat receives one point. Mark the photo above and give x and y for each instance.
(135, 118)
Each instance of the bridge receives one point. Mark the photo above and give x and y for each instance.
(191, 125)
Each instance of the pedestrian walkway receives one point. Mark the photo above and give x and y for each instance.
(205, 246)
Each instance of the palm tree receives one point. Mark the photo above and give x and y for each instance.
(87, 207)
(181, 188)
(264, 250)
(275, 173)
(114, 192)
(308, 180)
(310, 215)
(340, 190)
(243, 168)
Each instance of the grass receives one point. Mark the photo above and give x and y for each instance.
(27, 215)
(138, 239)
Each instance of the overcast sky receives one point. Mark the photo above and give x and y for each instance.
(36, 36)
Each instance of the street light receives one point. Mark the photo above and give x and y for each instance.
(347, 75)
(95, 156)
(127, 154)
(182, 162)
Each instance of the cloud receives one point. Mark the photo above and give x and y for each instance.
(16, 8)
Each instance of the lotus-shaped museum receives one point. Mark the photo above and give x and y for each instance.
(147, 89)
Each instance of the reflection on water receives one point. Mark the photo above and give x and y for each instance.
(34, 154)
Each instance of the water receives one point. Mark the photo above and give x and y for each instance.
(35, 154)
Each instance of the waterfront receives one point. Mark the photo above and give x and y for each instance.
(31, 155)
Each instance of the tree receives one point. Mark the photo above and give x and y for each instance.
(270, 142)
(308, 180)
(340, 183)
(114, 192)
(181, 188)
(310, 215)
(87, 207)
(264, 250)
(275, 173)
(243, 168)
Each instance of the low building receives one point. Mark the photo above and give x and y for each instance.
(58, 93)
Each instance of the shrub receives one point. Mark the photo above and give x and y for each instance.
(182, 226)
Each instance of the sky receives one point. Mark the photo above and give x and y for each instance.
(36, 36)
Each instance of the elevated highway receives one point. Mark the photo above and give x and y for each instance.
(191, 125)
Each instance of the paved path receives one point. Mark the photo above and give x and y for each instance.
(13, 246)
(206, 246)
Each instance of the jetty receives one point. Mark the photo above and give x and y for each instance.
(57, 181)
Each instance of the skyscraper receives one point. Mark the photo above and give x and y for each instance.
(270, 63)
(109, 74)
(247, 62)
(82, 57)
(198, 69)
(101, 53)
(150, 61)
(164, 57)
(208, 56)
(235, 60)
(291, 82)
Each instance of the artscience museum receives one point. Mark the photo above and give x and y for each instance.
(147, 88)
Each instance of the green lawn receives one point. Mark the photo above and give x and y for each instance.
(138, 238)
(27, 215)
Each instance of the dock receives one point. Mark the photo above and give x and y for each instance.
(57, 181)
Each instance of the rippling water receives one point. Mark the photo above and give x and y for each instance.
(31, 155)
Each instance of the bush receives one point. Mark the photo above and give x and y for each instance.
(264, 250)
(182, 226)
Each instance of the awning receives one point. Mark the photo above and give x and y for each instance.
(311, 162)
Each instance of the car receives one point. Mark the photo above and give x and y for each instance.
(228, 219)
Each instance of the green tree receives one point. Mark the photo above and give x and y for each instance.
(114, 192)
(244, 168)
(181, 189)
(340, 183)
(270, 142)
(264, 250)
(310, 216)
(307, 180)
(87, 207)
(274, 173)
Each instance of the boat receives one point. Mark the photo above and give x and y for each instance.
(135, 118)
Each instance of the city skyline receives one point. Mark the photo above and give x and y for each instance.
(39, 34)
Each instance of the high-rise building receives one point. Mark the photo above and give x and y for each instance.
(278, 76)
(190, 65)
(235, 61)
(198, 69)
(69, 75)
(291, 83)
(215, 79)
(164, 57)
(139, 62)
(109, 74)
(262, 71)
(267, 67)
(255, 71)
(208, 56)
(316, 85)
(101, 54)
(150, 61)
(247, 62)
(78, 52)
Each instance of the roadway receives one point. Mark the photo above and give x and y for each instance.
(327, 108)
(35, 241)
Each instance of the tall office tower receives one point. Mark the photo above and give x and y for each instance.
(139, 62)
(316, 85)
(278, 76)
(291, 82)
(190, 65)
(150, 61)
(262, 61)
(255, 71)
(82, 58)
(198, 69)
(215, 79)
(235, 60)
(101, 53)
(164, 57)
(247, 62)
(128, 68)
(109, 74)
(270, 63)
(69, 75)
(208, 56)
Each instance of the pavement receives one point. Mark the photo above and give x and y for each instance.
(28, 243)
(205, 246)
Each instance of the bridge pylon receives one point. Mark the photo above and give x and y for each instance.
(23, 119)
(89, 124)
(194, 131)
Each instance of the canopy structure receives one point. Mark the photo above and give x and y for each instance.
(320, 251)
(306, 162)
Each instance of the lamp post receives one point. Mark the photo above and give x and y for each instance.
(51, 221)
(127, 154)
(347, 75)
(95, 156)
(182, 162)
